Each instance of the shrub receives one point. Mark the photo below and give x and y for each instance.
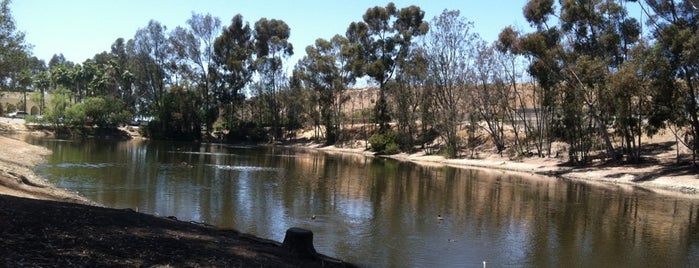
(384, 143)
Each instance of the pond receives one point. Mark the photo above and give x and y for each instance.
(384, 213)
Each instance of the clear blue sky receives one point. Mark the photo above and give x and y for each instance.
(82, 28)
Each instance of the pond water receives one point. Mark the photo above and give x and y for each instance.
(383, 213)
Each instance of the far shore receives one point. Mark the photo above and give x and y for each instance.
(663, 177)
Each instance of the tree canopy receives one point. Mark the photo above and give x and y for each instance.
(586, 75)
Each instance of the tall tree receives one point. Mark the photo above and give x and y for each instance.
(234, 52)
(525, 123)
(409, 96)
(590, 42)
(676, 30)
(449, 47)
(490, 95)
(326, 70)
(272, 47)
(120, 71)
(385, 36)
(14, 52)
(195, 47)
(150, 56)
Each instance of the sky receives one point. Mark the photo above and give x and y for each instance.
(79, 29)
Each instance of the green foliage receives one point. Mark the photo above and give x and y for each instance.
(9, 108)
(247, 132)
(384, 143)
(325, 71)
(55, 112)
(93, 111)
(383, 39)
(178, 118)
(14, 53)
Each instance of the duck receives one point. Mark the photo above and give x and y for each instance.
(313, 217)
(439, 217)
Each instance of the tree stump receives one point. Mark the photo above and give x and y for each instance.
(299, 242)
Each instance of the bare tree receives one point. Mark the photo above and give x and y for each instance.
(448, 50)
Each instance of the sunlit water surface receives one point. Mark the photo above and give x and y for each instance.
(383, 213)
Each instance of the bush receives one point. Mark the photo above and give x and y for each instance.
(247, 132)
(384, 143)
(392, 148)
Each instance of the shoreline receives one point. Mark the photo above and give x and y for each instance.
(664, 179)
(18, 160)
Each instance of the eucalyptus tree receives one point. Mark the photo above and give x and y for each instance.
(58, 59)
(272, 47)
(675, 26)
(631, 92)
(13, 49)
(449, 48)
(541, 48)
(206, 28)
(120, 70)
(410, 98)
(590, 42)
(296, 100)
(326, 70)
(233, 52)
(384, 38)
(490, 95)
(150, 50)
(518, 112)
(194, 47)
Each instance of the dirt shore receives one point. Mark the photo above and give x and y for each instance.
(660, 173)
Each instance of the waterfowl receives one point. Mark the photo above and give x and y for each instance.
(439, 217)
(313, 217)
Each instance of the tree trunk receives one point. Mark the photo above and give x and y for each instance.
(299, 242)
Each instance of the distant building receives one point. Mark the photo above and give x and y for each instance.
(17, 98)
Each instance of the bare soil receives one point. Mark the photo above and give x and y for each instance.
(40, 233)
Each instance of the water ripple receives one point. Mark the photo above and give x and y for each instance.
(246, 168)
(84, 165)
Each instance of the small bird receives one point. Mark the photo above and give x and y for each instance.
(439, 217)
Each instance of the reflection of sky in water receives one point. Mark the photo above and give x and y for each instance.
(201, 153)
(246, 168)
(355, 210)
(84, 165)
